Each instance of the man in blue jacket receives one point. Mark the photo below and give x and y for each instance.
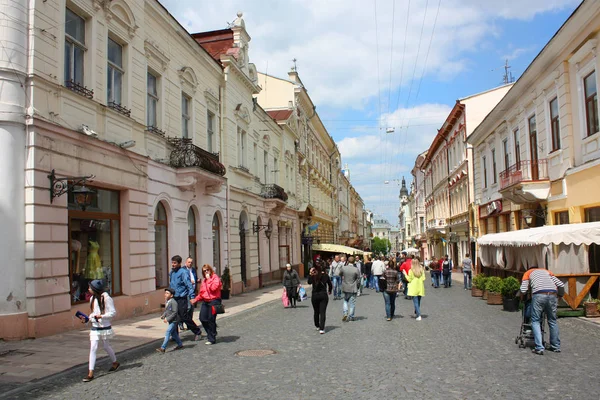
(181, 283)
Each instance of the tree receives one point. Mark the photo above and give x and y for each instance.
(380, 246)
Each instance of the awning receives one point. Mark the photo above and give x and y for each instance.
(411, 250)
(577, 234)
(336, 248)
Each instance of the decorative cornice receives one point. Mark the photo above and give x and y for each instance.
(153, 52)
(188, 78)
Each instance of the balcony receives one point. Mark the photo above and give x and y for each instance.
(186, 154)
(526, 182)
(273, 191)
(79, 89)
(436, 223)
(275, 196)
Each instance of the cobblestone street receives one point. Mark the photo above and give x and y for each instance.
(462, 349)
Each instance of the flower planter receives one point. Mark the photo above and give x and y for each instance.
(591, 310)
(476, 292)
(510, 304)
(494, 299)
(485, 295)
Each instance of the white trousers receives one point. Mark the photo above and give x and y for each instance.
(94, 349)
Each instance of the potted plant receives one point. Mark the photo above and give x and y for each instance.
(510, 287)
(226, 280)
(478, 285)
(493, 286)
(592, 308)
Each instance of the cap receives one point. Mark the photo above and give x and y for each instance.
(97, 284)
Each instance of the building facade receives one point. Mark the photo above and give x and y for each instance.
(537, 154)
(417, 201)
(448, 189)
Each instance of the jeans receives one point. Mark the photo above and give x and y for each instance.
(349, 304)
(376, 281)
(172, 332)
(368, 281)
(467, 275)
(417, 303)
(543, 303)
(337, 286)
(319, 302)
(183, 305)
(209, 320)
(446, 279)
(435, 275)
(390, 303)
(405, 284)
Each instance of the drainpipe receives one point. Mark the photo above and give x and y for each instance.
(222, 153)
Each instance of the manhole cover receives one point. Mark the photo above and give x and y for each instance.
(255, 353)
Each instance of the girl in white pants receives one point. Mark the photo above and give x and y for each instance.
(103, 311)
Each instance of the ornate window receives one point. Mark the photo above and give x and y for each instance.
(192, 241)
(161, 246)
(115, 74)
(74, 48)
(591, 103)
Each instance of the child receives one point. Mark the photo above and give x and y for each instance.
(103, 311)
(170, 317)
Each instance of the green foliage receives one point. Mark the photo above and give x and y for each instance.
(494, 284)
(479, 281)
(226, 278)
(380, 246)
(509, 286)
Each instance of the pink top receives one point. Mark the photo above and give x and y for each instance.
(210, 289)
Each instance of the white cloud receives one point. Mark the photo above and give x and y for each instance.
(337, 42)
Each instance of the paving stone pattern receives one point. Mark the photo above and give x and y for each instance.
(462, 349)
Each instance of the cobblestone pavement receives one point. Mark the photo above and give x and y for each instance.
(462, 349)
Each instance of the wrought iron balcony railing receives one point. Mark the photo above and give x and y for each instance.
(524, 171)
(156, 130)
(119, 108)
(79, 89)
(436, 223)
(272, 191)
(186, 154)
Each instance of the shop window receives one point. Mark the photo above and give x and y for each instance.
(94, 246)
(161, 246)
(216, 239)
(192, 234)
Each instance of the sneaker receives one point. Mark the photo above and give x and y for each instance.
(209, 343)
(178, 348)
(321, 332)
(160, 350)
(418, 318)
(388, 319)
(539, 352)
(554, 350)
(318, 328)
(350, 319)
(88, 378)
(345, 318)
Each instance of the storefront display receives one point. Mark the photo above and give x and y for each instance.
(94, 245)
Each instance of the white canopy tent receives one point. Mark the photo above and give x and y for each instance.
(562, 248)
(411, 250)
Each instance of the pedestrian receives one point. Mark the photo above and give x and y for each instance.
(102, 312)
(404, 268)
(350, 281)
(170, 317)
(291, 283)
(334, 274)
(189, 266)
(393, 284)
(321, 287)
(447, 271)
(436, 274)
(210, 295)
(377, 270)
(545, 289)
(367, 272)
(359, 266)
(467, 268)
(416, 285)
(180, 282)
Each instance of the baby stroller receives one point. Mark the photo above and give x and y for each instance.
(526, 338)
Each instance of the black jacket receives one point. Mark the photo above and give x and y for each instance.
(291, 279)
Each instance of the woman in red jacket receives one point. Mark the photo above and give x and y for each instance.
(210, 295)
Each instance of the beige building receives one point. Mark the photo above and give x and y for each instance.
(537, 154)
(417, 204)
(447, 179)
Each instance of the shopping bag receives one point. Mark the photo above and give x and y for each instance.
(284, 298)
(302, 294)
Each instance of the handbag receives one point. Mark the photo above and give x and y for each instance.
(382, 284)
(284, 298)
(219, 309)
(302, 294)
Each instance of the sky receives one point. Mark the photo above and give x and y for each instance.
(384, 74)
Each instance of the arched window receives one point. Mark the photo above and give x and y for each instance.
(161, 247)
(192, 235)
(216, 239)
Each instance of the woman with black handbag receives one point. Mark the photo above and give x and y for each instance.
(210, 295)
(321, 289)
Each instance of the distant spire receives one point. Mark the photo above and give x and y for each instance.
(403, 190)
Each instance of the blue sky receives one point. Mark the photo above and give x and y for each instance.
(367, 69)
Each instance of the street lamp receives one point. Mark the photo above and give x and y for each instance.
(76, 185)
